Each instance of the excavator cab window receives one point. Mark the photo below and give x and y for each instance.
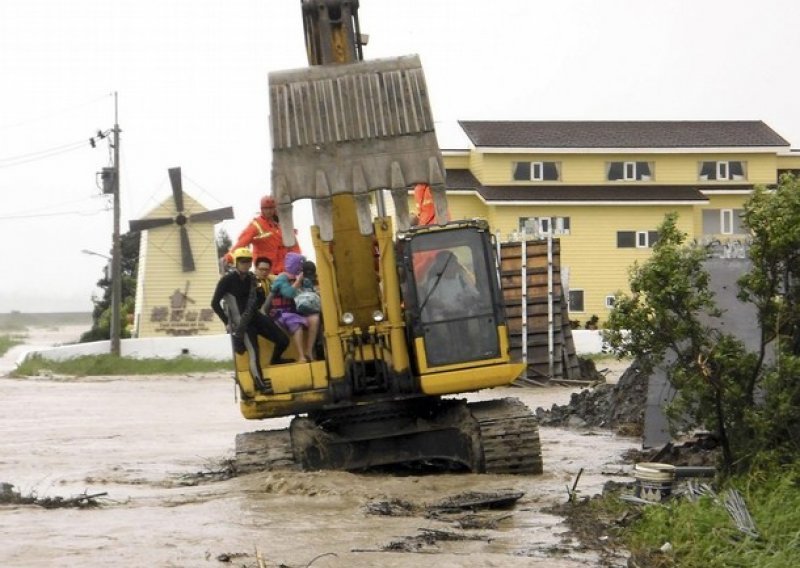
(455, 303)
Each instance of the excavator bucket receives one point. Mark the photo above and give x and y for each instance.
(352, 129)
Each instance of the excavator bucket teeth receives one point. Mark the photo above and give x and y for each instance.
(352, 129)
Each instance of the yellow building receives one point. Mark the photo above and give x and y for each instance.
(603, 188)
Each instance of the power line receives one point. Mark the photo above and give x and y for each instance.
(203, 189)
(57, 205)
(53, 113)
(41, 154)
(57, 214)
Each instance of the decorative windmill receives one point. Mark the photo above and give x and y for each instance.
(181, 219)
(178, 252)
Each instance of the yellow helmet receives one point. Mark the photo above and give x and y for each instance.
(242, 253)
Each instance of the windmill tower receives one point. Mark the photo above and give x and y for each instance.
(178, 266)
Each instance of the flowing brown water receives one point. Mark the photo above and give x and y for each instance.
(138, 438)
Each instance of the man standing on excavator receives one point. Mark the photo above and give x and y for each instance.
(265, 236)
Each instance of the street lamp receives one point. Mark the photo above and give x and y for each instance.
(92, 253)
(107, 268)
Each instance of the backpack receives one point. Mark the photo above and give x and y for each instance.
(307, 302)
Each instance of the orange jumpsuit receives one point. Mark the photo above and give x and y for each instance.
(267, 240)
(426, 213)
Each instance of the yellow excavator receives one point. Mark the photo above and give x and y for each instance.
(410, 314)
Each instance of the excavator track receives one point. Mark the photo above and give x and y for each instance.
(264, 450)
(509, 436)
(507, 431)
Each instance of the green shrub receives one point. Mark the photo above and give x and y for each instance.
(703, 535)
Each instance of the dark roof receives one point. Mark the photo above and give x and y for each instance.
(621, 134)
(459, 179)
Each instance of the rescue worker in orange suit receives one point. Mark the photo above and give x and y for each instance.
(424, 211)
(424, 214)
(264, 234)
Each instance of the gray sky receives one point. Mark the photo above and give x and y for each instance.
(192, 82)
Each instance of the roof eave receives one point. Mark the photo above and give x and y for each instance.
(639, 150)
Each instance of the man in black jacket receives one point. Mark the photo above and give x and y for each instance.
(241, 284)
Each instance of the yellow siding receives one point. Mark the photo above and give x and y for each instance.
(789, 162)
(465, 207)
(588, 169)
(456, 162)
(476, 165)
(590, 251)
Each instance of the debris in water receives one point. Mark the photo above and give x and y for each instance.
(499, 499)
(10, 496)
(425, 541)
(391, 508)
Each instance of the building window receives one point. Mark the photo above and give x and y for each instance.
(630, 171)
(723, 170)
(723, 222)
(611, 302)
(542, 225)
(636, 239)
(536, 171)
(727, 221)
(575, 301)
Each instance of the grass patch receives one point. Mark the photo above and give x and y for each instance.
(9, 341)
(702, 534)
(96, 365)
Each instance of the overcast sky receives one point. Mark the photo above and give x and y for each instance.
(191, 76)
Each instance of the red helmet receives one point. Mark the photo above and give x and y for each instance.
(267, 201)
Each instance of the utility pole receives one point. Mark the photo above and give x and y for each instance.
(116, 253)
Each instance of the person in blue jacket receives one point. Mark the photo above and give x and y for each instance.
(286, 289)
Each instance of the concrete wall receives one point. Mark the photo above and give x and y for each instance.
(218, 347)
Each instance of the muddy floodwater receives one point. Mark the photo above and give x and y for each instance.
(142, 440)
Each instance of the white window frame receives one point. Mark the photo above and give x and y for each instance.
(723, 171)
(559, 225)
(642, 240)
(610, 302)
(726, 221)
(583, 297)
(543, 225)
(534, 167)
(632, 166)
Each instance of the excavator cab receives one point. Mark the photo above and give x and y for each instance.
(451, 292)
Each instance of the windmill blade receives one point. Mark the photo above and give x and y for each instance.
(186, 251)
(144, 224)
(215, 215)
(177, 188)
